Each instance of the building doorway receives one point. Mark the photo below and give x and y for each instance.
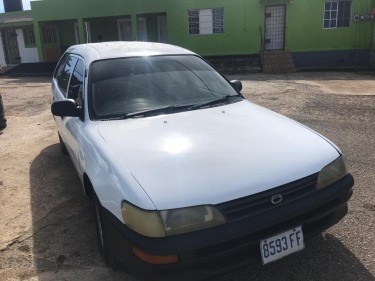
(51, 42)
(125, 31)
(274, 31)
(162, 29)
(141, 29)
(10, 44)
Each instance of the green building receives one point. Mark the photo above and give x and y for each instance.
(300, 33)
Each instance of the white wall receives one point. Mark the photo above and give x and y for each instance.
(26, 54)
(2, 57)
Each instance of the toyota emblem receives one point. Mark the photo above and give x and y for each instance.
(276, 199)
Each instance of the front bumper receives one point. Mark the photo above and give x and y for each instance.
(225, 247)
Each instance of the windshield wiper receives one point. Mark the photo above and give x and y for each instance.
(148, 112)
(212, 102)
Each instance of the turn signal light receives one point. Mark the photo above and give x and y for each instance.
(152, 259)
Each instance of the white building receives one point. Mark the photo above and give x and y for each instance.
(17, 42)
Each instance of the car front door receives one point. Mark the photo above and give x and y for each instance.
(73, 125)
(68, 84)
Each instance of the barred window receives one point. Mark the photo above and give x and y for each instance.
(206, 21)
(49, 35)
(28, 36)
(337, 14)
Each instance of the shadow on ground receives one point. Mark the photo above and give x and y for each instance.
(324, 258)
(63, 224)
(65, 242)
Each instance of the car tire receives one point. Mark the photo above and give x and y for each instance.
(3, 121)
(102, 232)
(62, 146)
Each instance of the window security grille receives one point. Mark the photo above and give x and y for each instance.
(206, 21)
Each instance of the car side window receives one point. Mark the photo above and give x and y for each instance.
(60, 66)
(76, 83)
(63, 74)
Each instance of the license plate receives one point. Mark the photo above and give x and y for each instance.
(281, 245)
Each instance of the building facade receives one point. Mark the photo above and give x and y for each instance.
(17, 40)
(319, 33)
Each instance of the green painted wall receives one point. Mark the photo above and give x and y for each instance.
(305, 30)
(243, 20)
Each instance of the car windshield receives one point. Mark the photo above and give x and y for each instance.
(122, 87)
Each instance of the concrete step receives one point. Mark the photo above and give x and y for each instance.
(277, 62)
(236, 64)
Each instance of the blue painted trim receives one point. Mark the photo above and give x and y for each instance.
(332, 59)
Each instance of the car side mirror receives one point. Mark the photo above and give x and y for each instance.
(66, 108)
(237, 85)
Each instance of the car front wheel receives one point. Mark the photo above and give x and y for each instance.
(105, 250)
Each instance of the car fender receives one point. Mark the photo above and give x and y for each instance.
(110, 179)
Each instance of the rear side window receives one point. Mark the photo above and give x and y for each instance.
(64, 72)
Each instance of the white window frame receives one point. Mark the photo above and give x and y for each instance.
(205, 19)
(337, 14)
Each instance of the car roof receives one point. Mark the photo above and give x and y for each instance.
(108, 50)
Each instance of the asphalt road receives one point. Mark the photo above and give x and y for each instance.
(47, 228)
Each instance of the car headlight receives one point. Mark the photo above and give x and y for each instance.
(332, 173)
(170, 222)
(182, 220)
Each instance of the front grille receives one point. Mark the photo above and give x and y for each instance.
(313, 222)
(261, 202)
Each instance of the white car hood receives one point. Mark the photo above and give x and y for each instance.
(213, 155)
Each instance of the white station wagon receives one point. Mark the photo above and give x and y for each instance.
(186, 175)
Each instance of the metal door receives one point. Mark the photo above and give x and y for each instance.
(125, 29)
(11, 52)
(142, 29)
(162, 29)
(274, 32)
(51, 42)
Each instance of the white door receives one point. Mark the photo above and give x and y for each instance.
(274, 31)
(10, 45)
(141, 29)
(162, 29)
(125, 31)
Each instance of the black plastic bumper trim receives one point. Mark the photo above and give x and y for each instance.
(233, 244)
